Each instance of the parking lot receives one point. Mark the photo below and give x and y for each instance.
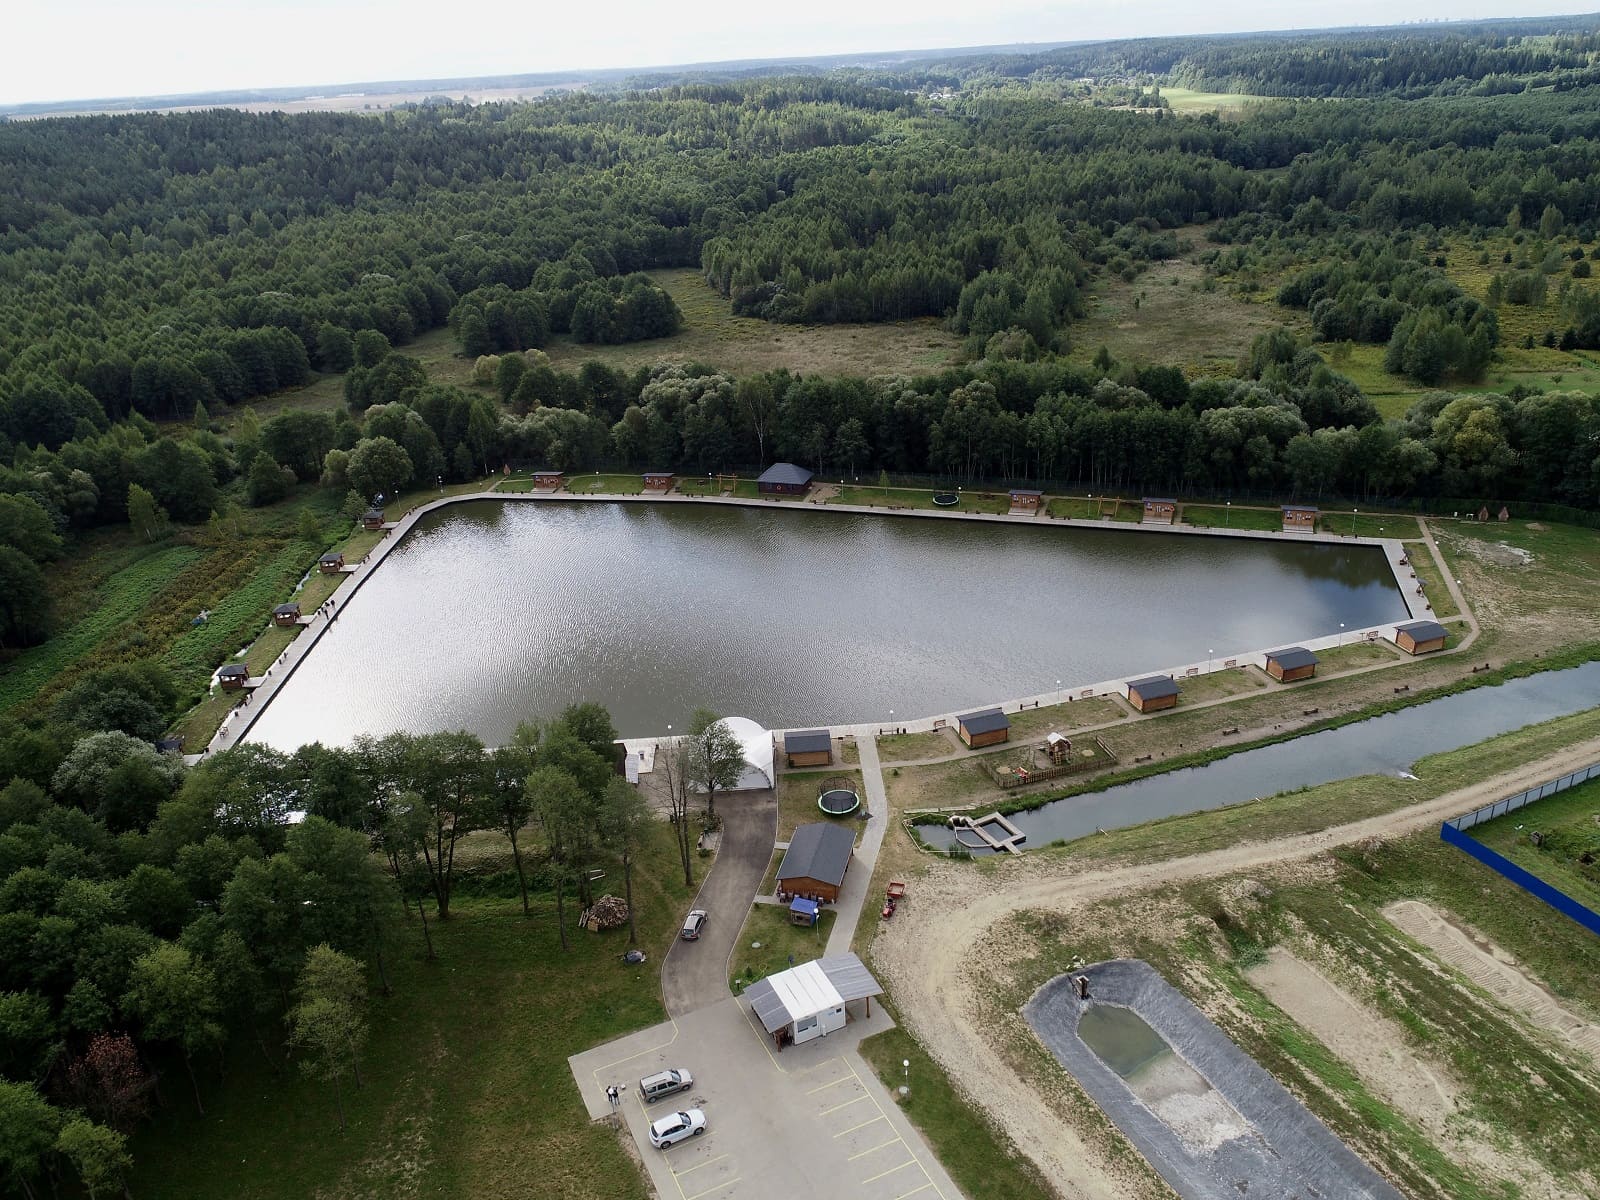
(809, 1122)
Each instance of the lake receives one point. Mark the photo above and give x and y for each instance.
(493, 613)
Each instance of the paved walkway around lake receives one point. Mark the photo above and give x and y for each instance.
(854, 898)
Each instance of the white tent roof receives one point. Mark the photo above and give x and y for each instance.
(811, 988)
(757, 745)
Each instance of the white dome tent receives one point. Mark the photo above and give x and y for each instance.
(756, 743)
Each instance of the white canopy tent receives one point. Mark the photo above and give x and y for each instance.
(756, 743)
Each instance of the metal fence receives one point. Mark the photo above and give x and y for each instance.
(1452, 831)
(1524, 798)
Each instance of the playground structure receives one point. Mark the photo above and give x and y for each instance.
(994, 832)
(837, 798)
(947, 499)
(1057, 755)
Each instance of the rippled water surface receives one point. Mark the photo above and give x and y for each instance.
(489, 614)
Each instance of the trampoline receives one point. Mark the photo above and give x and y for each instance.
(947, 499)
(839, 802)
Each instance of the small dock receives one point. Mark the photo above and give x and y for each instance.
(994, 832)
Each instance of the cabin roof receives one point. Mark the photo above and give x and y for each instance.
(1421, 631)
(1291, 657)
(807, 741)
(818, 851)
(786, 473)
(1154, 687)
(985, 720)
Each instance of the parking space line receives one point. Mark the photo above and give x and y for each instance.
(846, 1104)
(908, 1162)
(914, 1191)
(863, 1125)
(697, 1166)
(914, 1155)
(875, 1149)
(717, 1187)
(826, 1086)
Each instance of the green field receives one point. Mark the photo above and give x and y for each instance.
(782, 945)
(1234, 516)
(1570, 827)
(876, 497)
(467, 1088)
(1186, 100)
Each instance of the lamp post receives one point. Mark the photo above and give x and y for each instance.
(1341, 638)
(1210, 655)
(1227, 514)
(1353, 513)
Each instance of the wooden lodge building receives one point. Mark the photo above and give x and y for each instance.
(1153, 693)
(986, 727)
(816, 862)
(548, 481)
(1420, 637)
(1291, 663)
(658, 481)
(808, 748)
(1300, 518)
(331, 563)
(372, 519)
(1025, 500)
(1158, 511)
(784, 479)
(286, 615)
(233, 676)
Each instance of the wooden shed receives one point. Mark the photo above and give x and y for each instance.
(1291, 663)
(548, 481)
(286, 614)
(784, 479)
(808, 748)
(1158, 511)
(331, 563)
(233, 677)
(658, 481)
(816, 862)
(372, 519)
(1420, 637)
(986, 727)
(1153, 693)
(1025, 499)
(1299, 518)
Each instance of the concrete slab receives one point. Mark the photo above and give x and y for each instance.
(811, 1121)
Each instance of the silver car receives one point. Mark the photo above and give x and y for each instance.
(677, 1127)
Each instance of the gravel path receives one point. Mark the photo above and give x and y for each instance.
(936, 957)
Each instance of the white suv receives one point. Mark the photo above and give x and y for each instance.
(675, 1127)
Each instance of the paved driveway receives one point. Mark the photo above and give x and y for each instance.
(695, 974)
(811, 1122)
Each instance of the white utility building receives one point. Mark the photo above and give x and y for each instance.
(809, 1001)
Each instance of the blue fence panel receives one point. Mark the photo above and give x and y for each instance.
(1528, 882)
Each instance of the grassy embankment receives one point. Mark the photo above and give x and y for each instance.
(895, 497)
(467, 1088)
(797, 797)
(1570, 825)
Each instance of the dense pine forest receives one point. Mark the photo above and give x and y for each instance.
(1424, 201)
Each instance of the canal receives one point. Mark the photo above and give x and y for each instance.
(1386, 745)
(491, 613)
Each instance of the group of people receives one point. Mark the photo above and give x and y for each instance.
(614, 1094)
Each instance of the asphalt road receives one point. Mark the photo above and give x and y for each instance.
(695, 974)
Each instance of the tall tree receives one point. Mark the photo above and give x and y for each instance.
(509, 767)
(563, 811)
(626, 821)
(99, 1155)
(716, 759)
(175, 996)
(28, 1128)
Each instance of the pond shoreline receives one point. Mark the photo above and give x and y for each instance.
(237, 727)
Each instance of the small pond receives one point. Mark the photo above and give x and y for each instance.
(1121, 1038)
(1386, 745)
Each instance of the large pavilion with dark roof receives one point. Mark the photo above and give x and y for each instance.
(817, 860)
(784, 479)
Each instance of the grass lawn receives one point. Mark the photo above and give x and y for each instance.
(769, 881)
(980, 1158)
(782, 945)
(900, 747)
(1186, 100)
(1235, 681)
(971, 501)
(1433, 583)
(616, 485)
(694, 485)
(1033, 723)
(797, 798)
(1236, 516)
(1570, 823)
(1357, 654)
(467, 1088)
(747, 489)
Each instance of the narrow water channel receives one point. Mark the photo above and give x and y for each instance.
(1386, 745)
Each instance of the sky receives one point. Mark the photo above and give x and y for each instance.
(83, 49)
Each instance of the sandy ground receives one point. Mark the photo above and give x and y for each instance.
(937, 959)
(1189, 1106)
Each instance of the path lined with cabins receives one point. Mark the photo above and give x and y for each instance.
(260, 690)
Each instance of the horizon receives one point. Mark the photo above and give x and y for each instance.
(231, 47)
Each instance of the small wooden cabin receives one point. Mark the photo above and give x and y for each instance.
(784, 479)
(986, 727)
(1505, 513)
(816, 862)
(1291, 663)
(286, 614)
(808, 748)
(1420, 637)
(1158, 511)
(233, 677)
(1299, 518)
(372, 519)
(1153, 693)
(170, 745)
(331, 563)
(1025, 500)
(658, 481)
(548, 481)
(803, 911)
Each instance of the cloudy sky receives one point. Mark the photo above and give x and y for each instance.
(77, 49)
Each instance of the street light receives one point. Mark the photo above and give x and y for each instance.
(1341, 642)
(1227, 514)
(1353, 513)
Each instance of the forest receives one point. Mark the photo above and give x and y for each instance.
(171, 286)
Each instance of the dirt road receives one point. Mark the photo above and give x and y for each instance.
(936, 957)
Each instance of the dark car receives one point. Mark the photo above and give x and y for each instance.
(692, 924)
